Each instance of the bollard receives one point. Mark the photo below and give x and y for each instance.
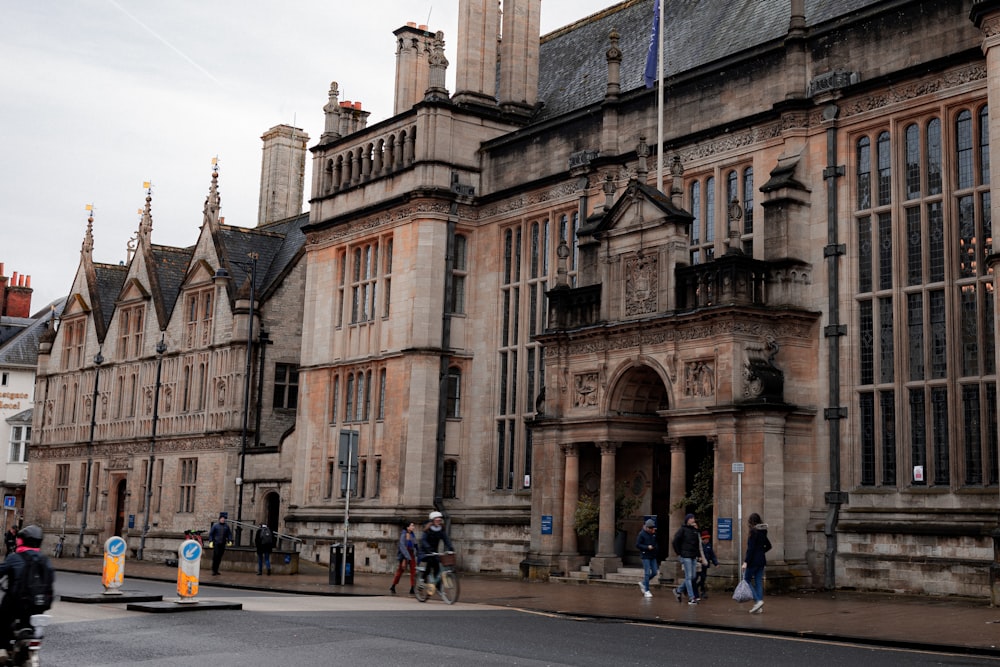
(114, 565)
(188, 570)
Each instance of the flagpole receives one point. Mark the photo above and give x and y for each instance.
(659, 101)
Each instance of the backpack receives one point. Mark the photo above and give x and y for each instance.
(265, 538)
(33, 589)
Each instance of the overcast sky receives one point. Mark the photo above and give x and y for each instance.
(98, 96)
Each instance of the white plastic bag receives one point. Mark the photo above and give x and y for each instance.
(743, 592)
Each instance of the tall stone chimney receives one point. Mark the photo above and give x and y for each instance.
(519, 48)
(15, 295)
(282, 173)
(476, 63)
(413, 46)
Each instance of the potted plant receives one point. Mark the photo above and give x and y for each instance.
(585, 522)
(699, 499)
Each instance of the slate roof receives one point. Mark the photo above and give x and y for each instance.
(22, 349)
(276, 245)
(170, 265)
(573, 66)
(110, 278)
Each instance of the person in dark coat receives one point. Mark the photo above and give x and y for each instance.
(264, 541)
(219, 536)
(754, 562)
(10, 540)
(645, 542)
(430, 543)
(701, 581)
(687, 545)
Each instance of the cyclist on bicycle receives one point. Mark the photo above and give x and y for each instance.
(430, 542)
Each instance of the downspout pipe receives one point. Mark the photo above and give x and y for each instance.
(445, 361)
(833, 252)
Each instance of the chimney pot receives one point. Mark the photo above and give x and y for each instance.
(411, 24)
(27, 281)
(357, 105)
(13, 279)
(423, 27)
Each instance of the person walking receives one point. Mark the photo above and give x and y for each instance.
(754, 562)
(264, 541)
(687, 545)
(645, 542)
(10, 540)
(219, 537)
(407, 556)
(708, 556)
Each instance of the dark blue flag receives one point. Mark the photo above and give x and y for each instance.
(652, 57)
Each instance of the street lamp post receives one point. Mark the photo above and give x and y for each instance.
(161, 348)
(246, 397)
(98, 360)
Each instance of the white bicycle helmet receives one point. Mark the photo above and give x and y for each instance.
(436, 515)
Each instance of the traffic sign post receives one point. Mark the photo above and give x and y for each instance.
(738, 471)
(114, 565)
(188, 570)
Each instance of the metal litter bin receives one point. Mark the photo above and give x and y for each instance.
(337, 565)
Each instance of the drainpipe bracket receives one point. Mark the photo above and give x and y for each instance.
(835, 413)
(834, 330)
(836, 497)
(832, 250)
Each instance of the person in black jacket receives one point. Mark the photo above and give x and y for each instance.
(687, 545)
(645, 542)
(28, 545)
(430, 542)
(754, 562)
(219, 537)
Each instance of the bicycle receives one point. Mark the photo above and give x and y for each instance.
(445, 583)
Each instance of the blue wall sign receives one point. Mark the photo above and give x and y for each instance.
(546, 524)
(131, 521)
(725, 529)
(10, 502)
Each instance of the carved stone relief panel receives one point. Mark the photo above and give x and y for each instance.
(640, 285)
(699, 378)
(585, 385)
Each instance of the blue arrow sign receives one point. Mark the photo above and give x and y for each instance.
(116, 546)
(192, 551)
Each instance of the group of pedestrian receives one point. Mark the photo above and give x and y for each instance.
(694, 549)
(220, 536)
(410, 550)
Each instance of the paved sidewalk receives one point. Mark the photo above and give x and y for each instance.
(962, 626)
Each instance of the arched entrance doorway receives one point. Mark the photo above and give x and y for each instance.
(272, 507)
(120, 490)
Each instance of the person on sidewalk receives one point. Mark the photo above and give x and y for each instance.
(754, 562)
(407, 557)
(264, 541)
(708, 559)
(219, 537)
(10, 540)
(645, 542)
(687, 545)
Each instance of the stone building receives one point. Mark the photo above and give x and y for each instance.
(508, 313)
(149, 410)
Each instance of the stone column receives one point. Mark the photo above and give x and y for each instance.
(571, 495)
(678, 481)
(606, 562)
(606, 525)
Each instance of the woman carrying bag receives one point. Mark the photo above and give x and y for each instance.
(754, 562)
